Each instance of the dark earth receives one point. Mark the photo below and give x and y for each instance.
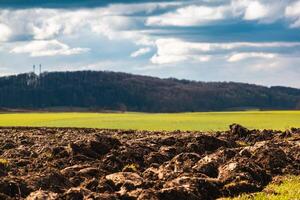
(69, 163)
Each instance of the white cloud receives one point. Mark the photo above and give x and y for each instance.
(255, 10)
(293, 9)
(47, 24)
(171, 50)
(47, 48)
(178, 46)
(174, 50)
(5, 32)
(140, 52)
(242, 56)
(127, 9)
(189, 16)
(115, 27)
(265, 11)
(292, 12)
(43, 23)
(112, 21)
(52, 23)
(115, 23)
(203, 58)
(254, 45)
(168, 59)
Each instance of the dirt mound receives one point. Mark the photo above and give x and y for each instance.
(70, 163)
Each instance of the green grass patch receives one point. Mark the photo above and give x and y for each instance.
(289, 189)
(205, 121)
(4, 162)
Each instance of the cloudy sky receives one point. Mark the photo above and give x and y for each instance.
(254, 41)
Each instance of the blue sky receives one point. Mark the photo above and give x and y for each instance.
(253, 41)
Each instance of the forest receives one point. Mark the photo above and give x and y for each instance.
(103, 90)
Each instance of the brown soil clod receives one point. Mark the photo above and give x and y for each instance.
(71, 163)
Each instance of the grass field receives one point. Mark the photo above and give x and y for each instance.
(205, 121)
(287, 190)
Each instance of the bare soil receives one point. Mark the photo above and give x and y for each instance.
(69, 163)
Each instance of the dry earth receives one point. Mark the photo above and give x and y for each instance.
(68, 163)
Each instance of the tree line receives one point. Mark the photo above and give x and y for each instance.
(120, 91)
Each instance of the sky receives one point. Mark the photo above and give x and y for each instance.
(252, 41)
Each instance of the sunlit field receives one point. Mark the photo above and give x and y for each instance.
(204, 121)
(288, 189)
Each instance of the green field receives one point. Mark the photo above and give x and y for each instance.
(287, 190)
(205, 121)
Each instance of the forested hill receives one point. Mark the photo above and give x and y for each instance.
(120, 91)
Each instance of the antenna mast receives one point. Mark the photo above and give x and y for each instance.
(40, 69)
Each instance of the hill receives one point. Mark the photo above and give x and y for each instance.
(121, 91)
